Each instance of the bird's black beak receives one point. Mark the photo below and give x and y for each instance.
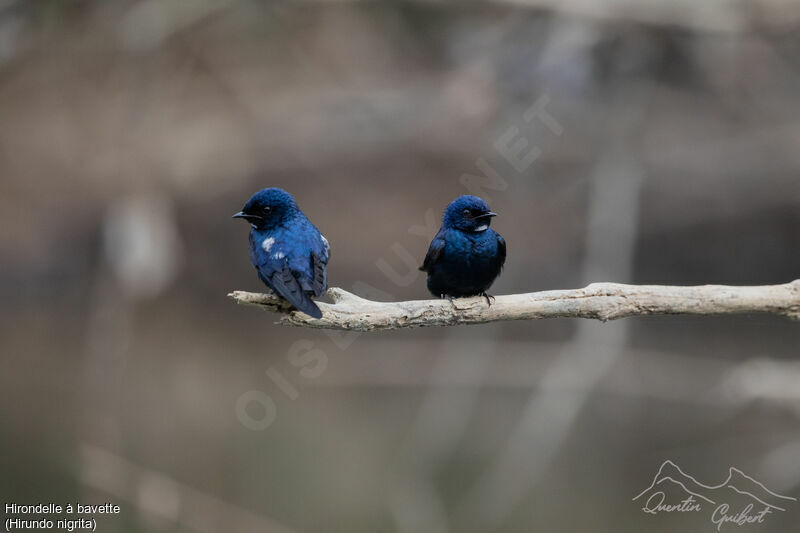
(490, 214)
(247, 216)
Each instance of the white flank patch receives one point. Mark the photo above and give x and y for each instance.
(482, 228)
(279, 255)
(267, 244)
(325, 241)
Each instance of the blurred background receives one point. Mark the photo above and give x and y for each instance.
(620, 140)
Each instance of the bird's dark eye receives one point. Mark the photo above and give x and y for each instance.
(267, 209)
(467, 213)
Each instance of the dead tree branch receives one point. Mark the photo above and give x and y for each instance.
(601, 301)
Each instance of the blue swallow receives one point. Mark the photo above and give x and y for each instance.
(287, 250)
(466, 256)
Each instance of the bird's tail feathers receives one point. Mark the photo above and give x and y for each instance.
(308, 306)
(287, 286)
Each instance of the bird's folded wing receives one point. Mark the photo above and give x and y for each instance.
(320, 283)
(434, 252)
(501, 250)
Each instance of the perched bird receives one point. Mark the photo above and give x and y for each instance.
(466, 256)
(288, 251)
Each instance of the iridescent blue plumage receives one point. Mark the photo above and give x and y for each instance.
(466, 256)
(287, 250)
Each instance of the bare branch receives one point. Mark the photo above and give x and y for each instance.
(601, 301)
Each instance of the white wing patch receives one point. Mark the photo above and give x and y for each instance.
(267, 244)
(326, 243)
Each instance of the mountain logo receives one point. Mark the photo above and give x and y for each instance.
(738, 501)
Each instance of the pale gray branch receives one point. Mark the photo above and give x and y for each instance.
(601, 301)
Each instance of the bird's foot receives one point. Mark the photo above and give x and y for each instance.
(450, 299)
(489, 298)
